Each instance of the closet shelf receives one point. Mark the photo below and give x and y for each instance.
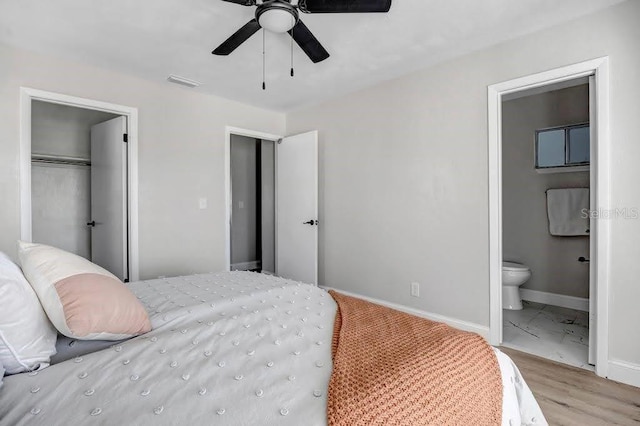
(60, 159)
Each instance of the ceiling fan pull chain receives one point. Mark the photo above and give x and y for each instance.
(292, 26)
(264, 84)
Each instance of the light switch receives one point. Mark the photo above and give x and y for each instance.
(241, 204)
(202, 203)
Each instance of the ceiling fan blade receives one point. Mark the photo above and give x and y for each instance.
(344, 6)
(242, 2)
(239, 37)
(308, 43)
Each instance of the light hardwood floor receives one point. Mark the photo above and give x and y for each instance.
(573, 396)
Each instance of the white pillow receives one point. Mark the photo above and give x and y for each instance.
(82, 300)
(27, 338)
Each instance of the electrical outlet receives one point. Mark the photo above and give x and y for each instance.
(415, 289)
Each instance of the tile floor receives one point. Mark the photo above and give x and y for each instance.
(552, 332)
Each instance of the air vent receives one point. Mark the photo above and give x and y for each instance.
(183, 81)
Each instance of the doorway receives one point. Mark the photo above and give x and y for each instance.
(545, 225)
(599, 200)
(253, 204)
(79, 178)
(296, 202)
(61, 175)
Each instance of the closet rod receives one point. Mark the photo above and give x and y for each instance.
(59, 159)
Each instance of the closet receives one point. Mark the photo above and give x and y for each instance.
(253, 204)
(61, 169)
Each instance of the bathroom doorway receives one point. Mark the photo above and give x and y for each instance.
(545, 221)
(596, 71)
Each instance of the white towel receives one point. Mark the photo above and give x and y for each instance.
(568, 211)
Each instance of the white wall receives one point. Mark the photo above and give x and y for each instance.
(526, 239)
(61, 207)
(63, 130)
(181, 156)
(404, 175)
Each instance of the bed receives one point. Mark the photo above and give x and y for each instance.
(233, 348)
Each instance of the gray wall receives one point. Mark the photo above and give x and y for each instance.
(61, 194)
(244, 203)
(526, 238)
(404, 174)
(181, 156)
(268, 168)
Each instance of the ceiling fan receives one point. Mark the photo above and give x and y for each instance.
(280, 16)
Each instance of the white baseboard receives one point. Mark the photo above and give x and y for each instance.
(245, 266)
(554, 299)
(624, 372)
(453, 322)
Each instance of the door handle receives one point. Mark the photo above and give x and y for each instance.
(92, 223)
(310, 222)
(583, 259)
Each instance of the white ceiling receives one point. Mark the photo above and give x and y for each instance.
(155, 38)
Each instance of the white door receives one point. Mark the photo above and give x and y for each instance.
(109, 197)
(297, 207)
(592, 225)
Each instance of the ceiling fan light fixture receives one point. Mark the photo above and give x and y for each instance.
(277, 17)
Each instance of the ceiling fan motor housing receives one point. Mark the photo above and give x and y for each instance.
(277, 16)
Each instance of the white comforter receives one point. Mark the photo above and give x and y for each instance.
(233, 348)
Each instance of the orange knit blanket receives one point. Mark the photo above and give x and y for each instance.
(392, 368)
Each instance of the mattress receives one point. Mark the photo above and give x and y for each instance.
(227, 349)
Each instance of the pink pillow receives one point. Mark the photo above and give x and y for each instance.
(82, 300)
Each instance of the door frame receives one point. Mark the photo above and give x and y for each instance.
(27, 95)
(601, 166)
(229, 130)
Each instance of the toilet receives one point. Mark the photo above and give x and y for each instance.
(513, 276)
